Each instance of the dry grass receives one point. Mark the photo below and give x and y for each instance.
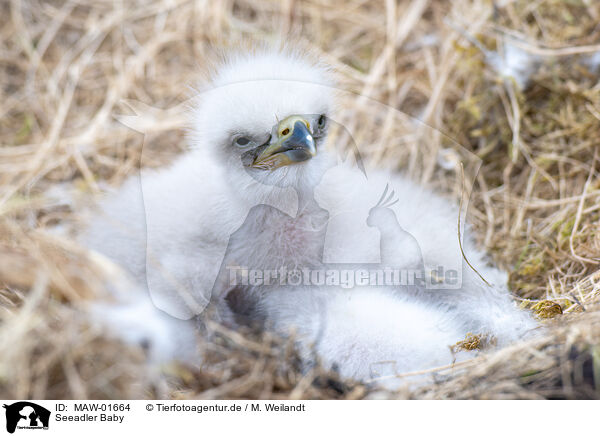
(65, 66)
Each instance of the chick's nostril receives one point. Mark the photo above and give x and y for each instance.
(285, 131)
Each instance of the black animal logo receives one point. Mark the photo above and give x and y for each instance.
(26, 415)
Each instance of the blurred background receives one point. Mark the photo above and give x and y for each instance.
(511, 84)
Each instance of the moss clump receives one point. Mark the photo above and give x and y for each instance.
(473, 342)
(547, 309)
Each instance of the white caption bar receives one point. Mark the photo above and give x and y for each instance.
(294, 417)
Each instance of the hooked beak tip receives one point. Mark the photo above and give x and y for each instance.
(293, 147)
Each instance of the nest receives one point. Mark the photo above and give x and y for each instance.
(442, 86)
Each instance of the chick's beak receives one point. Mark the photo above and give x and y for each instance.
(292, 143)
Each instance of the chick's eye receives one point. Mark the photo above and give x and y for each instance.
(242, 141)
(322, 120)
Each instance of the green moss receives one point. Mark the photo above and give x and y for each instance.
(25, 130)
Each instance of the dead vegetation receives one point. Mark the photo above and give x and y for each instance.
(66, 66)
